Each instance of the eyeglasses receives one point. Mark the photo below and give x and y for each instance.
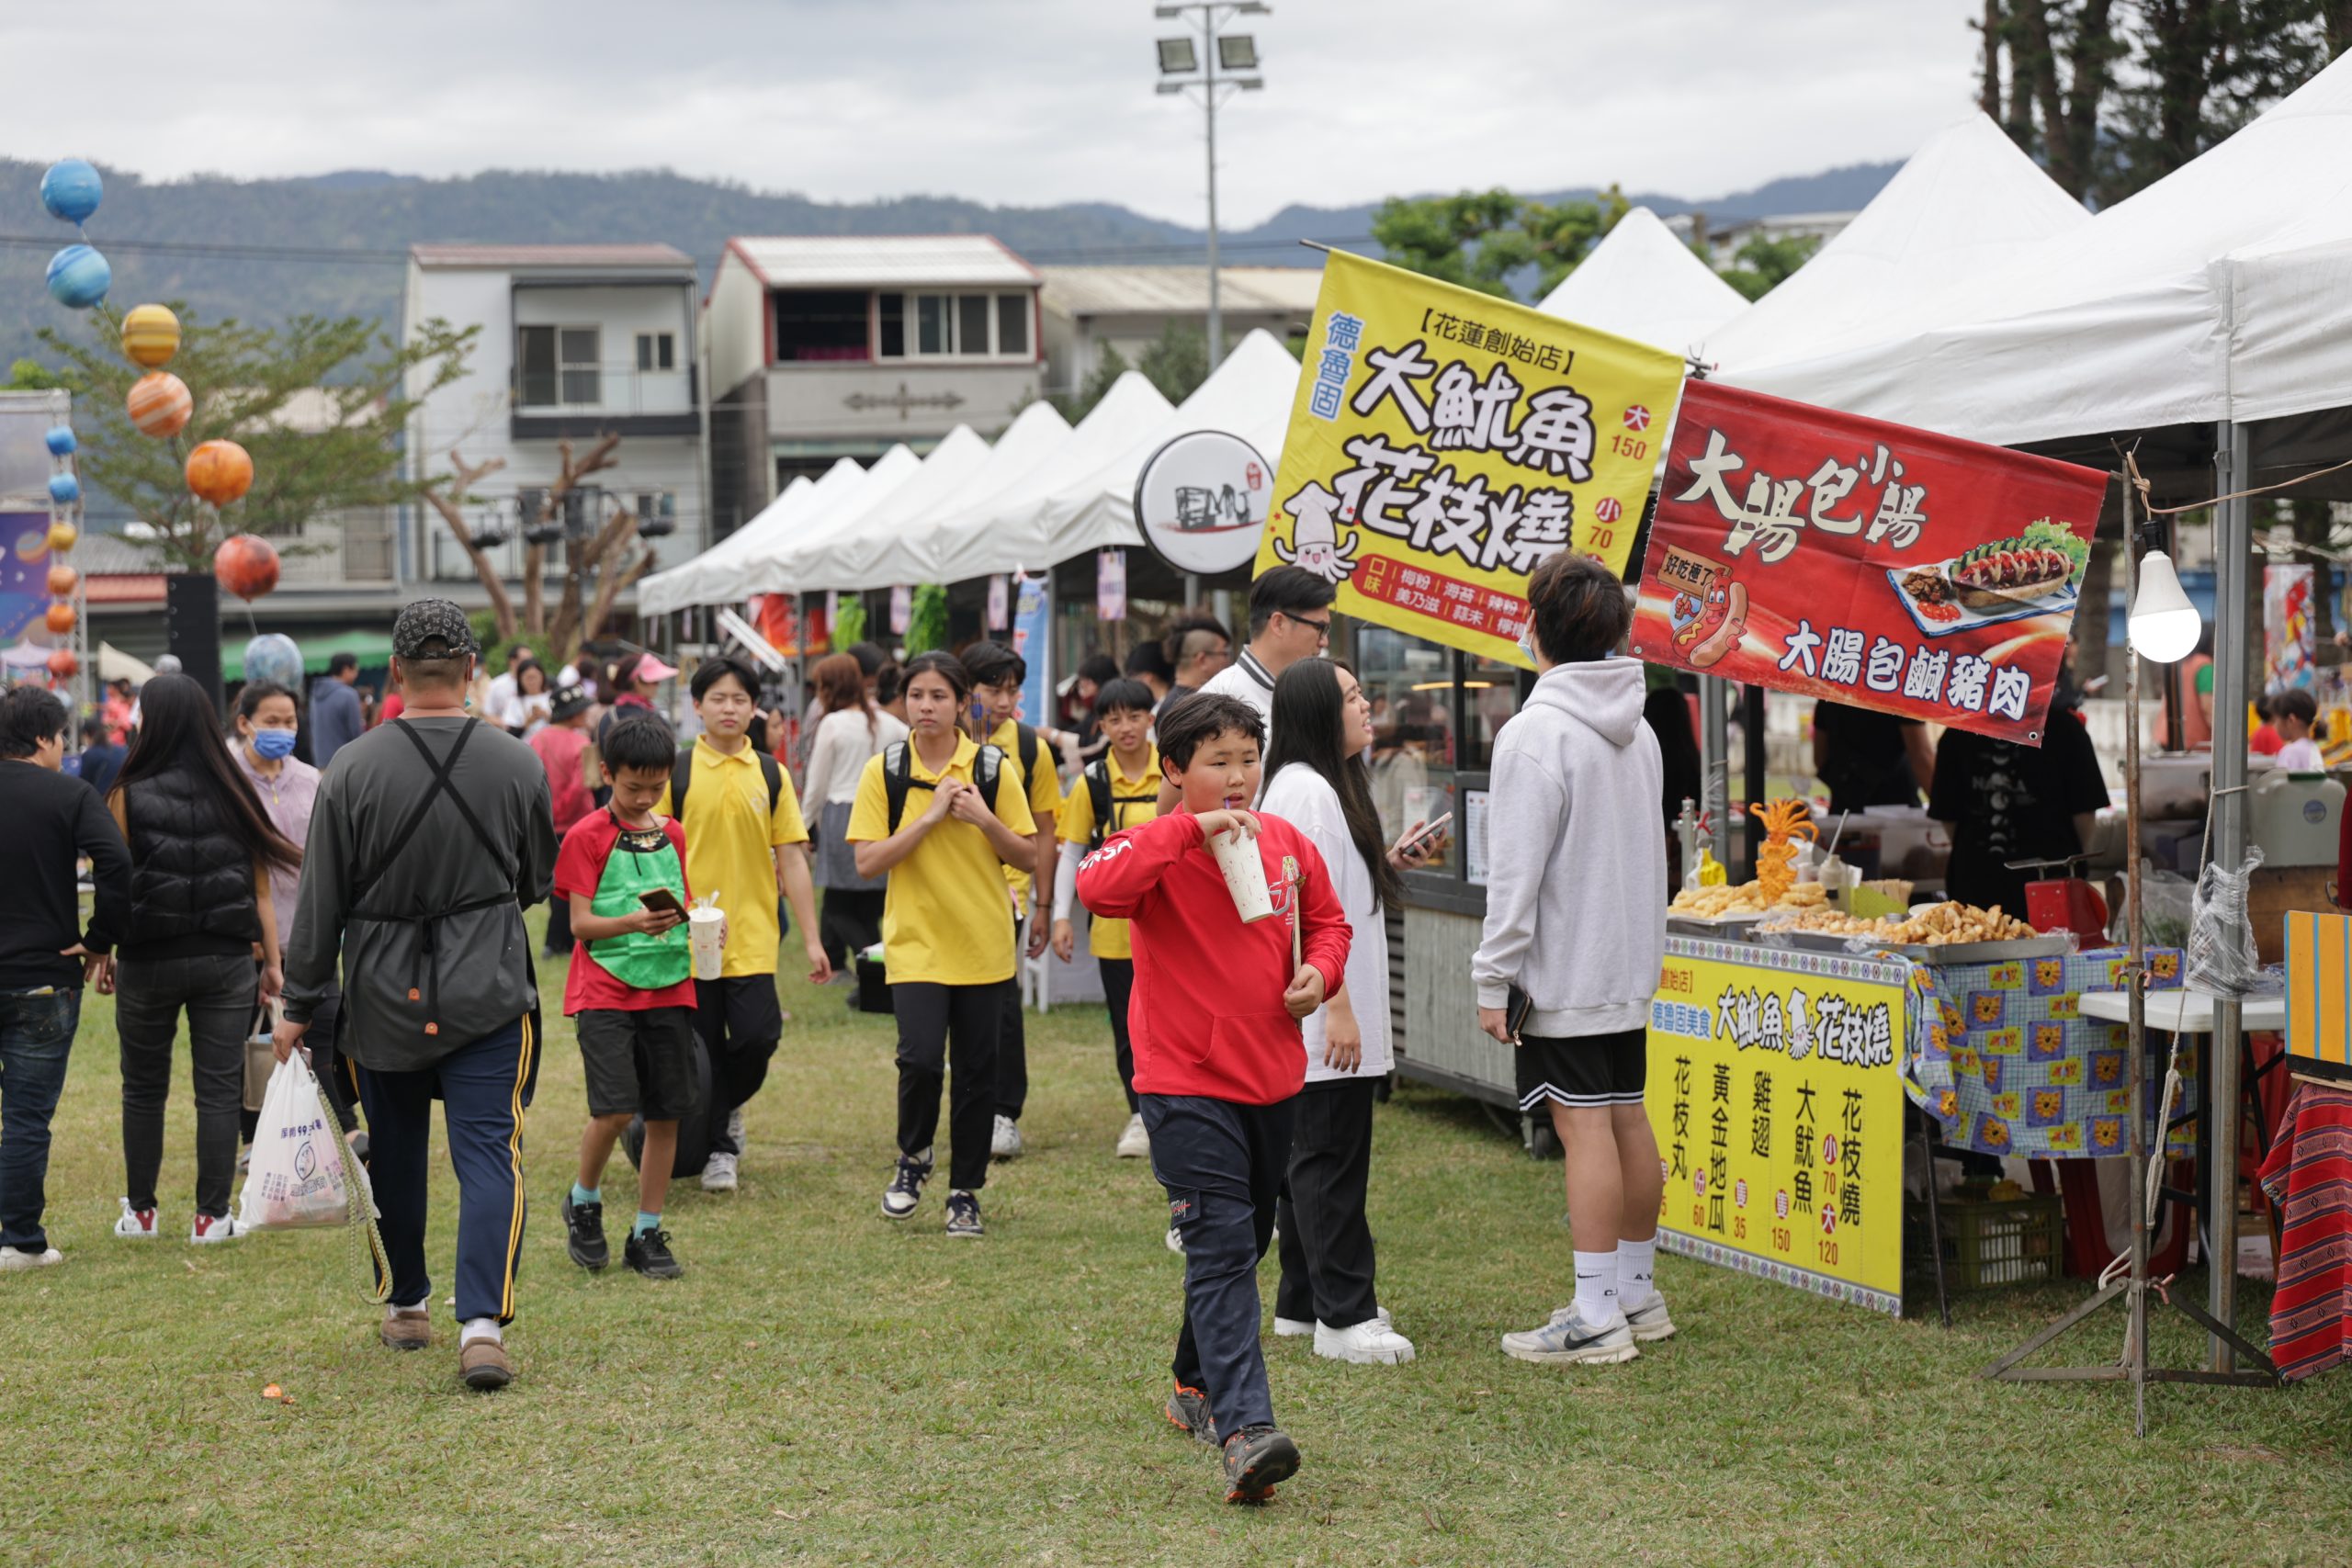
(1322, 627)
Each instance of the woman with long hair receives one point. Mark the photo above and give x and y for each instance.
(1318, 781)
(534, 700)
(850, 732)
(947, 925)
(202, 848)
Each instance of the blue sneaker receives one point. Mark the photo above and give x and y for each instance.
(1567, 1339)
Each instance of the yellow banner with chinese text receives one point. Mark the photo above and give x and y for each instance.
(1446, 443)
(1775, 1091)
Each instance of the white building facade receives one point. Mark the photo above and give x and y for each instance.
(1089, 310)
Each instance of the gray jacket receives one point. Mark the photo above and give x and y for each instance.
(436, 937)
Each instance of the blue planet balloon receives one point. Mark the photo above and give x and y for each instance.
(78, 278)
(61, 441)
(64, 489)
(71, 190)
(273, 656)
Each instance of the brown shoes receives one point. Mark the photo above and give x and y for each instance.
(404, 1332)
(483, 1364)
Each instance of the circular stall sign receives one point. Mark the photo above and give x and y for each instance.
(1200, 502)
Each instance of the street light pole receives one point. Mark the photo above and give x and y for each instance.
(1208, 66)
(1212, 13)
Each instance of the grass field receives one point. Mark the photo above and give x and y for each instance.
(824, 1386)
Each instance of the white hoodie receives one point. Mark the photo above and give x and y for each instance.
(1575, 895)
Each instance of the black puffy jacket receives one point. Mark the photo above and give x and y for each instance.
(191, 879)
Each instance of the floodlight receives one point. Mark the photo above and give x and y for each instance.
(1178, 57)
(1237, 52)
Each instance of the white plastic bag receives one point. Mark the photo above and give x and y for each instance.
(297, 1180)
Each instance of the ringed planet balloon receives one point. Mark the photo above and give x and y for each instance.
(64, 489)
(78, 278)
(61, 535)
(159, 404)
(246, 566)
(273, 656)
(150, 336)
(71, 191)
(59, 441)
(220, 471)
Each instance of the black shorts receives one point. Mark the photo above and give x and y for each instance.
(640, 1062)
(738, 1016)
(1583, 1070)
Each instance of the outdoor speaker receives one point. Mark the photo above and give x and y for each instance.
(192, 628)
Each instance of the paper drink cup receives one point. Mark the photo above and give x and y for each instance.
(1245, 875)
(702, 932)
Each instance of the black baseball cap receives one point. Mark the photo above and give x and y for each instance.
(432, 628)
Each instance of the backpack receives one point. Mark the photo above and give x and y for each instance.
(898, 777)
(1106, 804)
(682, 773)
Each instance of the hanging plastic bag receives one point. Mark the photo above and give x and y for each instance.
(2221, 961)
(298, 1178)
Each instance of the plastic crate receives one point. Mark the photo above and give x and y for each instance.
(1989, 1244)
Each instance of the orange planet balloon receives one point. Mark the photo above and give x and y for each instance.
(62, 580)
(246, 566)
(159, 404)
(61, 619)
(61, 535)
(220, 472)
(63, 664)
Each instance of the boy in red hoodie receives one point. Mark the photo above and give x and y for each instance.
(1214, 1021)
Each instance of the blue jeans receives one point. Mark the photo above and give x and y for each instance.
(36, 1037)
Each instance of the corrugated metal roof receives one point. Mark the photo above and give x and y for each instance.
(1178, 290)
(550, 256)
(862, 261)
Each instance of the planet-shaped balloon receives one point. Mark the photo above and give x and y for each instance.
(63, 664)
(64, 489)
(62, 580)
(220, 471)
(32, 544)
(273, 656)
(59, 441)
(78, 276)
(60, 618)
(159, 404)
(150, 336)
(246, 565)
(71, 190)
(61, 535)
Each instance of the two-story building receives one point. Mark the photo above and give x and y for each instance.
(826, 347)
(577, 341)
(1089, 310)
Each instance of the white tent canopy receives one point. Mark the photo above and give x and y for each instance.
(896, 486)
(828, 520)
(1642, 282)
(877, 554)
(1966, 205)
(709, 578)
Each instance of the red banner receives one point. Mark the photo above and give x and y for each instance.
(1817, 552)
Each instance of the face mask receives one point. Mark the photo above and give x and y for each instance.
(274, 744)
(1526, 646)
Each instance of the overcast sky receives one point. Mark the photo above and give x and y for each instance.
(1026, 102)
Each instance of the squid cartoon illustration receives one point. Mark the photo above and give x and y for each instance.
(1315, 543)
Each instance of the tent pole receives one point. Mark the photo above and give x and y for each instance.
(1714, 759)
(2225, 827)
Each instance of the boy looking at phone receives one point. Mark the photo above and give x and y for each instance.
(630, 994)
(1218, 1053)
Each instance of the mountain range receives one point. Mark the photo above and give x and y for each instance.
(336, 244)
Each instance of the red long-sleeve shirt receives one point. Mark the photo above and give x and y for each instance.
(1207, 1015)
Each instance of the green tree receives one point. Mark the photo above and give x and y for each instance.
(1481, 239)
(1764, 264)
(244, 381)
(31, 376)
(1177, 361)
(1109, 367)
(848, 621)
(927, 619)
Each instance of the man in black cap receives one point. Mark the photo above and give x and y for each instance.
(430, 837)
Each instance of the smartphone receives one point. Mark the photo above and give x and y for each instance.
(663, 901)
(1427, 836)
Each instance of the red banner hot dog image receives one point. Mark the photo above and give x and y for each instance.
(1709, 610)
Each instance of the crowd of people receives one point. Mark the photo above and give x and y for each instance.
(317, 905)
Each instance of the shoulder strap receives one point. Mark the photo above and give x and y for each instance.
(775, 775)
(442, 770)
(985, 768)
(897, 778)
(1098, 790)
(1026, 738)
(682, 773)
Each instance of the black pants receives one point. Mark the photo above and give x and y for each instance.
(217, 991)
(930, 1016)
(559, 940)
(1118, 989)
(1327, 1242)
(1222, 1165)
(849, 923)
(741, 1022)
(1012, 1038)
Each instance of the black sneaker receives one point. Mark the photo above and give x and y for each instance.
(583, 1226)
(905, 1191)
(1188, 1410)
(963, 1215)
(647, 1252)
(1255, 1458)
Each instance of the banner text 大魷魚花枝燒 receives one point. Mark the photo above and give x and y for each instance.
(1446, 443)
(1818, 552)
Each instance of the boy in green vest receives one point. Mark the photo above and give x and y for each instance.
(630, 994)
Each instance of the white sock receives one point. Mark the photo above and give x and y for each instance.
(417, 1310)
(1597, 1286)
(1635, 1262)
(481, 1329)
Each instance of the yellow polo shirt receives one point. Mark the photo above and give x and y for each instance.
(945, 919)
(1107, 938)
(731, 839)
(1044, 793)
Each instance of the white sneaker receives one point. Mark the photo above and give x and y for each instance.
(1370, 1342)
(1175, 1241)
(1293, 1328)
(136, 1225)
(208, 1230)
(1568, 1339)
(735, 1131)
(718, 1172)
(1649, 1321)
(1006, 1144)
(13, 1258)
(1134, 1142)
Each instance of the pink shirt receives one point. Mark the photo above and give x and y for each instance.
(287, 797)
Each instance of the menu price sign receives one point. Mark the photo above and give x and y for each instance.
(1821, 553)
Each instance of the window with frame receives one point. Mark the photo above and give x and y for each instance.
(559, 367)
(658, 503)
(952, 326)
(657, 351)
(821, 325)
